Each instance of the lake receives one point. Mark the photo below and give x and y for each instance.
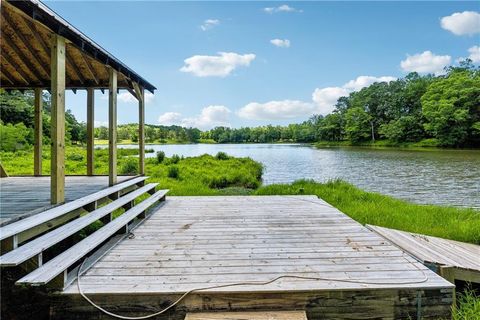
(445, 177)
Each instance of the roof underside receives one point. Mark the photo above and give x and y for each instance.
(26, 30)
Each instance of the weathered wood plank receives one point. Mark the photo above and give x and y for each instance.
(57, 64)
(112, 127)
(90, 131)
(38, 133)
(265, 315)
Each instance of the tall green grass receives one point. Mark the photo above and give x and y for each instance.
(468, 306)
(373, 208)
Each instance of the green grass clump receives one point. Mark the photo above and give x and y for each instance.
(129, 166)
(376, 209)
(160, 156)
(173, 172)
(468, 306)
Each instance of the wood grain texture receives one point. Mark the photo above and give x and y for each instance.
(463, 259)
(265, 315)
(198, 242)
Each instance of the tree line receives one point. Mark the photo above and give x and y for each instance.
(443, 110)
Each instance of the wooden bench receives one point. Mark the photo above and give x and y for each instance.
(55, 272)
(257, 315)
(36, 247)
(15, 233)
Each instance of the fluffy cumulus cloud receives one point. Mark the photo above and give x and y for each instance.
(425, 62)
(474, 54)
(220, 65)
(282, 8)
(462, 23)
(275, 110)
(209, 24)
(326, 98)
(209, 117)
(281, 43)
(323, 101)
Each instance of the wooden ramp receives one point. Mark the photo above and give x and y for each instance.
(246, 253)
(453, 260)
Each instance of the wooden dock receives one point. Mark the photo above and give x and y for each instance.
(325, 264)
(453, 260)
(24, 196)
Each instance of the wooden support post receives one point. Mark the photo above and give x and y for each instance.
(141, 133)
(90, 131)
(38, 133)
(57, 65)
(112, 128)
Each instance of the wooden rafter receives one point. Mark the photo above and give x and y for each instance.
(75, 67)
(25, 61)
(6, 77)
(38, 37)
(8, 59)
(89, 67)
(26, 43)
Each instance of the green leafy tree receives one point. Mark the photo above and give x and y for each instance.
(357, 125)
(451, 107)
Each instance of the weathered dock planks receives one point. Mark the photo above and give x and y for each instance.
(452, 259)
(197, 242)
(23, 196)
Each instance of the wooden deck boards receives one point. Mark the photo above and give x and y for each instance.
(198, 242)
(437, 251)
(22, 196)
(203, 241)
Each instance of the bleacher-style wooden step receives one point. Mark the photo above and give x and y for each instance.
(37, 246)
(15, 233)
(56, 269)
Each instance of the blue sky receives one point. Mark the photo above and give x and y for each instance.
(240, 64)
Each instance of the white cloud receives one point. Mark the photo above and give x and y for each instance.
(462, 23)
(323, 101)
(364, 81)
(220, 65)
(474, 54)
(425, 62)
(282, 43)
(325, 98)
(275, 110)
(127, 97)
(209, 117)
(209, 24)
(170, 118)
(98, 124)
(282, 8)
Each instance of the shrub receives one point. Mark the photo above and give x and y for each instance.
(149, 150)
(173, 172)
(160, 156)
(75, 157)
(130, 166)
(175, 159)
(222, 156)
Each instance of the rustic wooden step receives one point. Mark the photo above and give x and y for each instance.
(15, 233)
(39, 245)
(257, 315)
(56, 269)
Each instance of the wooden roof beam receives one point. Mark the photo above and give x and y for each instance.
(26, 43)
(23, 76)
(37, 36)
(25, 60)
(74, 67)
(6, 76)
(89, 67)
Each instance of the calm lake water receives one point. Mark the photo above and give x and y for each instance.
(447, 177)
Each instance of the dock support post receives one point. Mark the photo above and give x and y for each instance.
(38, 133)
(90, 131)
(141, 132)
(57, 181)
(112, 128)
